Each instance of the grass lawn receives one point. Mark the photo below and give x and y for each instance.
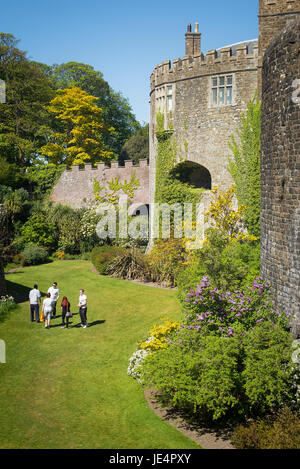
(68, 388)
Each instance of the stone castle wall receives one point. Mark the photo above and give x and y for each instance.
(274, 16)
(202, 131)
(75, 186)
(280, 170)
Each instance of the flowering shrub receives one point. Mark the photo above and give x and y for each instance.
(230, 265)
(60, 255)
(135, 364)
(159, 336)
(224, 216)
(7, 303)
(212, 376)
(230, 312)
(158, 340)
(166, 260)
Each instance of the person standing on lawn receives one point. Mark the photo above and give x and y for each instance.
(65, 311)
(83, 308)
(34, 300)
(47, 310)
(54, 294)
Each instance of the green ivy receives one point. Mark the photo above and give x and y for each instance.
(245, 165)
(167, 188)
(43, 178)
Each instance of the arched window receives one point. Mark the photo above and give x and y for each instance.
(192, 173)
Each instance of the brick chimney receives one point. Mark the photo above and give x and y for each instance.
(192, 41)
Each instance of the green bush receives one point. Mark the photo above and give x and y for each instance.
(229, 265)
(34, 254)
(68, 222)
(174, 191)
(278, 431)
(101, 257)
(197, 374)
(130, 265)
(215, 377)
(268, 370)
(39, 230)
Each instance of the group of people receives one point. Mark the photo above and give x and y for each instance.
(50, 303)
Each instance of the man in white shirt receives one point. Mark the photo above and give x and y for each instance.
(83, 309)
(54, 295)
(34, 300)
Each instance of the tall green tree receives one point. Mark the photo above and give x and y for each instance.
(117, 112)
(245, 165)
(23, 118)
(137, 146)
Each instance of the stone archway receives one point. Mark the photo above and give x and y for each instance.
(192, 173)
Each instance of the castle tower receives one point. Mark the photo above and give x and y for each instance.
(280, 152)
(274, 16)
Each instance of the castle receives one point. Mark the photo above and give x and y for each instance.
(202, 98)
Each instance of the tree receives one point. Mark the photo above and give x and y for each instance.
(245, 166)
(14, 202)
(82, 137)
(137, 146)
(116, 110)
(9, 174)
(23, 116)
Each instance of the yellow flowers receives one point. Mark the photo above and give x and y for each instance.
(60, 255)
(158, 336)
(225, 215)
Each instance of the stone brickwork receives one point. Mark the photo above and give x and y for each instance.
(274, 16)
(280, 171)
(75, 186)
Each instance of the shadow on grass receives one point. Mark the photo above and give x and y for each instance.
(19, 292)
(90, 324)
(71, 325)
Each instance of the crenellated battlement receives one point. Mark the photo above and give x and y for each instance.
(236, 57)
(75, 186)
(105, 166)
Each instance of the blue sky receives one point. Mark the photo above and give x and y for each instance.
(124, 39)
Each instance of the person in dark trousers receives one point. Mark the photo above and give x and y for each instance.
(83, 309)
(54, 293)
(34, 300)
(65, 311)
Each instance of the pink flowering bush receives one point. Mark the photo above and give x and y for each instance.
(228, 313)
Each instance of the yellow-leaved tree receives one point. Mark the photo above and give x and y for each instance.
(80, 128)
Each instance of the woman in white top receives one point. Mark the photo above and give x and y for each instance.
(47, 309)
(54, 294)
(83, 309)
